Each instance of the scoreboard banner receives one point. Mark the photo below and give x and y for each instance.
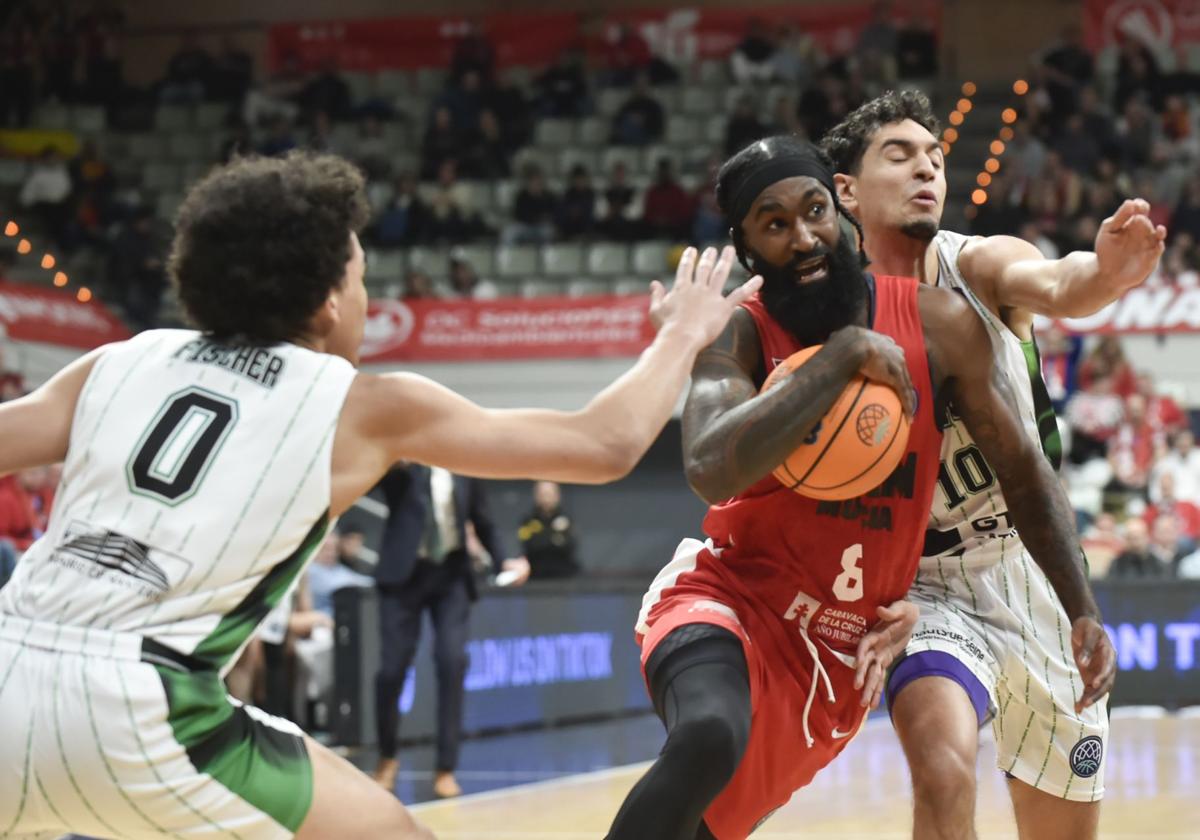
(1162, 25)
(1142, 310)
(524, 39)
(506, 329)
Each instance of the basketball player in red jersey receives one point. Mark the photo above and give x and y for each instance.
(765, 646)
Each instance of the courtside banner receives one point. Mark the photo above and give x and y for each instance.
(539, 328)
(536, 40)
(1161, 25)
(1142, 310)
(49, 316)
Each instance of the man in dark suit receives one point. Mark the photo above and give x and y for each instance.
(425, 564)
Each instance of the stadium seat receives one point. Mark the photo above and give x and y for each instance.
(682, 131)
(480, 257)
(12, 172)
(186, 146)
(650, 258)
(554, 133)
(568, 158)
(610, 101)
(161, 176)
(651, 155)
(379, 193)
(168, 204)
(88, 119)
(386, 266)
(143, 147)
(613, 154)
(563, 260)
(534, 287)
(714, 130)
(194, 171)
(210, 115)
(518, 76)
(52, 116)
(699, 102)
(433, 261)
(712, 72)
(516, 260)
(479, 194)
(586, 288)
(503, 195)
(386, 85)
(608, 258)
(592, 131)
(544, 159)
(507, 287)
(631, 287)
(172, 118)
(430, 81)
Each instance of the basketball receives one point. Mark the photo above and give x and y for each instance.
(853, 448)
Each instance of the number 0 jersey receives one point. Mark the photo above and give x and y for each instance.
(196, 487)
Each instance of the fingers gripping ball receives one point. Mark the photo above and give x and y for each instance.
(853, 448)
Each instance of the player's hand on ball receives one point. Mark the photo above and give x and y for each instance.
(1129, 245)
(696, 302)
(880, 647)
(1096, 659)
(882, 361)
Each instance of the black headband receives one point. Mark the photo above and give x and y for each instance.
(772, 172)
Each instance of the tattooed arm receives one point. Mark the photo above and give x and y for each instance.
(733, 436)
(961, 355)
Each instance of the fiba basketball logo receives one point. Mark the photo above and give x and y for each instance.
(873, 424)
(1086, 755)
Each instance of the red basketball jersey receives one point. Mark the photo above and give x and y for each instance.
(829, 564)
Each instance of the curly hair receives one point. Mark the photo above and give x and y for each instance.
(847, 142)
(260, 243)
(739, 167)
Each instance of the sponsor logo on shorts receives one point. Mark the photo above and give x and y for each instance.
(1086, 756)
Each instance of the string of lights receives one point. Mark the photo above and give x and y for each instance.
(48, 263)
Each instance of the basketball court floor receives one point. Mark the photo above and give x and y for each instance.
(566, 784)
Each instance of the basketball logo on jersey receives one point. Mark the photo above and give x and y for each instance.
(1086, 756)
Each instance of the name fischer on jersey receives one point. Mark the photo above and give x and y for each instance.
(258, 364)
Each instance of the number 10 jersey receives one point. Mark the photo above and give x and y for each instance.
(195, 488)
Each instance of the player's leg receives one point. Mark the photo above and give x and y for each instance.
(399, 634)
(699, 682)
(346, 803)
(938, 727)
(1054, 757)
(451, 612)
(1042, 816)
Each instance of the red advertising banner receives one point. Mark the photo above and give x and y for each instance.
(1159, 24)
(525, 39)
(1145, 311)
(32, 313)
(540, 328)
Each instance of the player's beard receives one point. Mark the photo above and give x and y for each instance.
(811, 311)
(922, 230)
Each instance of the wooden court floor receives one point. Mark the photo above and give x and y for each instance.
(1153, 792)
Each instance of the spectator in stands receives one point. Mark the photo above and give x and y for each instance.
(562, 89)
(238, 144)
(1182, 462)
(18, 519)
(1102, 543)
(1025, 155)
(328, 92)
(404, 219)
(443, 142)
(577, 210)
(617, 222)
(47, 192)
(1094, 415)
(465, 100)
(641, 120)
(486, 154)
(1163, 413)
(465, 281)
(137, 274)
(371, 150)
(879, 35)
(751, 62)
(797, 56)
(350, 545)
(916, 49)
(822, 105)
(1137, 74)
(1079, 150)
(513, 113)
(18, 51)
(744, 126)
(624, 57)
(232, 73)
(320, 134)
(668, 208)
(1108, 359)
(1056, 193)
(1137, 132)
(8, 258)
(12, 382)
(451, 215)
(786, 117)
(276, 96)
(1139, 559)
(36, 483)
(1067, 67)
(1187, 514)
(1060, 361)
(1186, 216)
(326, 575)
(1002, 213)
(1131, 449)
(473, 53)
(280, 140)
(188, 73)
(534, 211)
(548, 536)
(418, 286)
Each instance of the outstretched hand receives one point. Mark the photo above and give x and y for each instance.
(696, 301)
(1128, 245)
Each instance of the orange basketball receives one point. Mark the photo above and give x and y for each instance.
(854, 447)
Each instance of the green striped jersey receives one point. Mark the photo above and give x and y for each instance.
(195, 488)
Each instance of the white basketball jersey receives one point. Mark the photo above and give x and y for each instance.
(969, 519)
(195, 488)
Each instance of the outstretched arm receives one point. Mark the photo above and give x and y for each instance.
(1015, 275)
(962, 352)
(733, 436)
